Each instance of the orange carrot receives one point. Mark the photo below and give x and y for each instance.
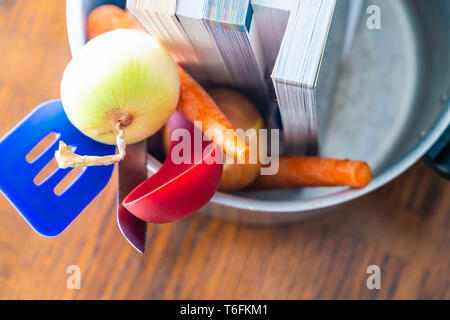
(197, 105)
(296, 172)
(109, 17)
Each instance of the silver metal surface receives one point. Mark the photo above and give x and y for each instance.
(132, 171)
(387, 110)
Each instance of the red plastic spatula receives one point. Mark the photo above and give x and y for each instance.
(176, 190)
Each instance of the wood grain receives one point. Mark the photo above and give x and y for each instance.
(404, 227)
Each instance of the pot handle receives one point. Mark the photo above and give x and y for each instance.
(438, 157)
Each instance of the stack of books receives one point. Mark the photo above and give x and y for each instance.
(283, 54)
(159, 17)
(306, 68)
(271, 18)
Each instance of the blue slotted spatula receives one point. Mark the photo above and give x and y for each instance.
(49, 214)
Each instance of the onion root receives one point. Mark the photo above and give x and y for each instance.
(67, 159)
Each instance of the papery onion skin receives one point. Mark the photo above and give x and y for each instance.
(120, 75)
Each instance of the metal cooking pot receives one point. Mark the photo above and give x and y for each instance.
(391, 109)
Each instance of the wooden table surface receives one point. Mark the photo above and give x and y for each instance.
(404, 227)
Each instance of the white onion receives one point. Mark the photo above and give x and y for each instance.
(125, 77)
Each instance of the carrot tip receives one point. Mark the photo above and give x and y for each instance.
(363, 175)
